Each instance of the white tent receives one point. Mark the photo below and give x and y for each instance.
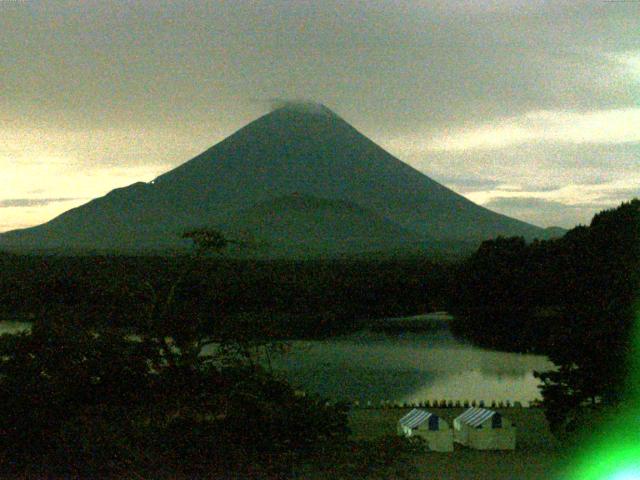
(484, 429)
(428, 426)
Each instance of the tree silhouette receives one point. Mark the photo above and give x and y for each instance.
(571, 299)
(93, 401)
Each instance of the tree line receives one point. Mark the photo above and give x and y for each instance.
(150, 367)
(570, 298)
(290, 299)
(87, 400)
(84, 397)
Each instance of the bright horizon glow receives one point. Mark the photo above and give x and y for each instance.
(41, 166)
(53, 187)
(50, 169)
(569, 195)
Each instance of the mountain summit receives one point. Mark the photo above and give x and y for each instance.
(252, 182)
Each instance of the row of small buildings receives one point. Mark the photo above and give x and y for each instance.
(478, 428)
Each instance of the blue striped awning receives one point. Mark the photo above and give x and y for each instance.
(415, 418)
(475, 416)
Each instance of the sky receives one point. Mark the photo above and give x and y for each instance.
(530, 108)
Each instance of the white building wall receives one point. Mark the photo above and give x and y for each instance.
(487, 438)
(461, 434)
(438, 441)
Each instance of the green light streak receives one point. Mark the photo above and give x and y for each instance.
(613, 451)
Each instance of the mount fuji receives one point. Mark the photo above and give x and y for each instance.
(300, 180)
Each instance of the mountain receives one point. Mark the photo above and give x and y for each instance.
(301, 164)
(554, 232)
(304, 225)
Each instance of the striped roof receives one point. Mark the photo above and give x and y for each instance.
(415, 417)
(475, 416)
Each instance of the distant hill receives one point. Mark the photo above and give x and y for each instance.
(298, 178)
(554, 232)
(301, 224)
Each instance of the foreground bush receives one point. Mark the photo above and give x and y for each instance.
(86, 403)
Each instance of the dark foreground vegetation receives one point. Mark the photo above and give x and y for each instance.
(87, 400)
(150, 367)
(81, 402)
(572, 299)
(286, 299)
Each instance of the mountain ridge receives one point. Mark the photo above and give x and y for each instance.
(311, 151)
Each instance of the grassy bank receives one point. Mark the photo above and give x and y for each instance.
(379, 454)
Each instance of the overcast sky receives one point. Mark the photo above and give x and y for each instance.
(530, 108)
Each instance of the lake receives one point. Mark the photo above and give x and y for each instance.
(410, 367)
(9, 326)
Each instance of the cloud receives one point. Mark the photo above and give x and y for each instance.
(570, 195)
(121, 146)
(601, 175)
(401, 63)
(466, 183)
(300, 105)
(525, 202)
(544, 126)
(553, 213)
(65, 184)
(527, 94)
(542, 211)
(537, 166)
(566, 206)
(33, 202)
(630, 61)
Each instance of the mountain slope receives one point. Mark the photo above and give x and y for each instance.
(303, 225)
(308, 150)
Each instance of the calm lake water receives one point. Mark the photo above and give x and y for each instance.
(7, 326)
(410, 367)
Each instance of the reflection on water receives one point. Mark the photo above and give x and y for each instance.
(405, 368)
(411, 368)
(11, 327)
(476, 385)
